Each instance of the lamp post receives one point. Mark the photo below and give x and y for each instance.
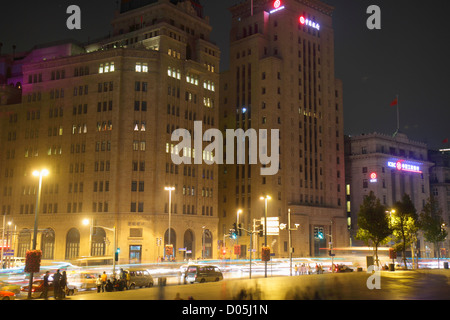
(40, 174)
(289, 229)
(265, 198)
(113, 229)
(3, 240)
(203, 242)
(170, 189)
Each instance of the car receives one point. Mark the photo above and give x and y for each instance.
(203, 273)
(5, 286)
(37, 289)
(139, 278)
(7, 295)
(343, 268)
(81, 281)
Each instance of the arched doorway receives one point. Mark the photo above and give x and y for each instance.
(98, 242)
(189, 244)
(173, 240)
(207, 244)
(23, 243)
(48, 243)
(72, 244)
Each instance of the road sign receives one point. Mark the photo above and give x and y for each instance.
(273, 226)
(9, 253)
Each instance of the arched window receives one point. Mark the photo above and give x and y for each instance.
(189, 244)
(173, 240)
(48, 244)
(72, 244)
(23, 243)
(207, 244)
(98, 244)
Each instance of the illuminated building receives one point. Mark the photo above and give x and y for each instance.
(440, 187)
(390, 166)
(100, 118)
(281, 76)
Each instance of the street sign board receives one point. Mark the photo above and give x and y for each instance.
(273, 226)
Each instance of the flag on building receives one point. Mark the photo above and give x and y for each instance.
(394, 103)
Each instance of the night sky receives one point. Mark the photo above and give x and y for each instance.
(409, 56)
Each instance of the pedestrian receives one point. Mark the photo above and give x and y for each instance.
(104, 278)
(45, 293)
(99, 283)
(128, 280)
(63, 284)
(109, 286)
(296, 269)
(57, 284)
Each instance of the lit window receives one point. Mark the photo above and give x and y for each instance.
(138, 67)
(145, 67)
(100, 69)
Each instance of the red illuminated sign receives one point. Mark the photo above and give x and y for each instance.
(277, 6)
(306, 22)
(373, 177)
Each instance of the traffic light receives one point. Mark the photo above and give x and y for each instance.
(240, 229)
(234, 233)
(261, 230)
(116, 255)
(320, 234)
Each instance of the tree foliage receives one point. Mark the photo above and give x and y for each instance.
(431, 222)
(404, 225)
(373, 223)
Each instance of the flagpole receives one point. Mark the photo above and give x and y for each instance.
(398, 116)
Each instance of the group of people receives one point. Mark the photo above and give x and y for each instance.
(59, 284)
(305, 268)
(104, 284)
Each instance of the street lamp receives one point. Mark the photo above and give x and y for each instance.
(90, 222)
(40, 174)
(170, 189)
(289, 229)
(203, 242)
(265, 198)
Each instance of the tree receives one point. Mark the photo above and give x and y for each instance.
(373, 223)
(431, 223)
(404, 225)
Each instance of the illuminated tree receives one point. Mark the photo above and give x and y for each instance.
(373, 223)
(404, 225)
(432, 224)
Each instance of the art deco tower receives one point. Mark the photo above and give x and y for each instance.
(281, 76)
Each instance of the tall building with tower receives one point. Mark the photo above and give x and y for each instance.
(281, 76)
(100, 117)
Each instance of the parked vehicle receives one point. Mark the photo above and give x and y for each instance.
(203, 273)
(81, 281)
(343, 268)
(37, 289)
(139, 278)
(5, 286)
(7, 295)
